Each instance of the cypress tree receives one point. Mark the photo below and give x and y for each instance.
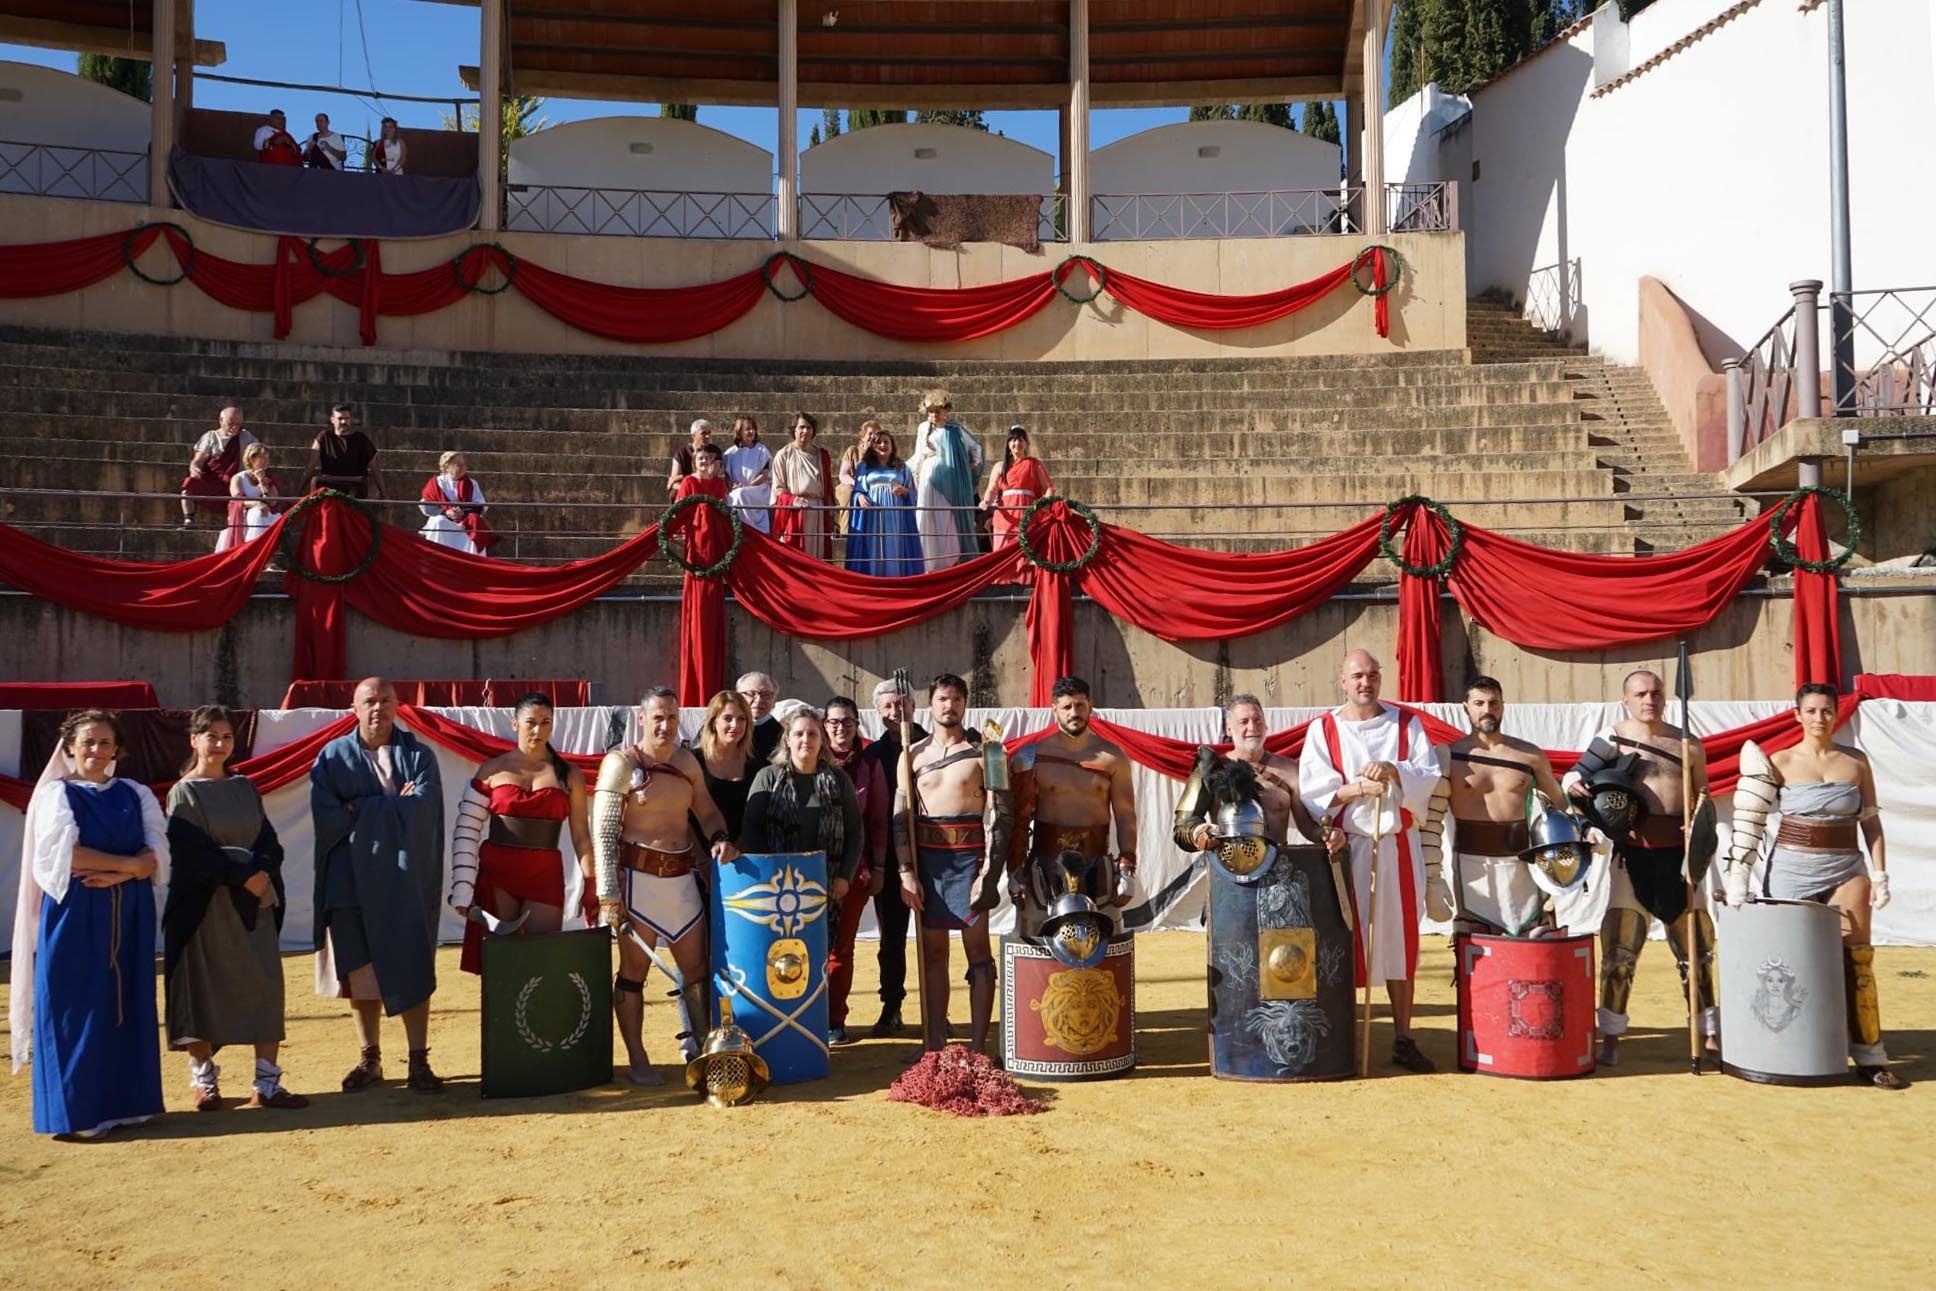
(1407, 40)
(128, 75)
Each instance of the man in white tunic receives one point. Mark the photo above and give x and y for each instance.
(1368, 767)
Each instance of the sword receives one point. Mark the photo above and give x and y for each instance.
(670, 968)
(495, 926)
(1339, 877)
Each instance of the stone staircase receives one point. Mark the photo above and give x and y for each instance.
(1536, 440)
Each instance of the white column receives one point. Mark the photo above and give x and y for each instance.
(185, 62)
(490, 114)
(1076, 166)
(1374, 138)
(786, 195)
(161, 128)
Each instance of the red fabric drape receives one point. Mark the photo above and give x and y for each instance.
(642, 315)
(473, 744)
(1381, 304)
(1562, 600)
(1897, 685)
(320, 650)
(930, 313)
(702, 614)
(1201, 310)
(1173, 758)
(195, 595)
(1421, 675)
(787, 589)
(500, 692)
(1818, 627)
(56, 268)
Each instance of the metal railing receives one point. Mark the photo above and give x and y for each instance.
(1269, 213)
(139, 526)
(1886, 368)
(54, 170)
(1422, 208)
(1553, 296)
(637, 212)
(869, 217)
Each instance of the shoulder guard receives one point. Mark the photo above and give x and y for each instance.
(1023, 759)
(1598, 757)
(1754, 762)
(615, 772)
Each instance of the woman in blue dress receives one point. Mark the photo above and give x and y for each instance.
(97, 851)
(882, 536)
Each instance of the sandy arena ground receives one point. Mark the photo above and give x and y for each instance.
(1641, 1178)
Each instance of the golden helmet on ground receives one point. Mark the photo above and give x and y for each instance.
(727, 1071)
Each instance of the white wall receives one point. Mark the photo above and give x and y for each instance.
(728, 179)
(882, 159)
(1708, 171)
(56, 107)
(1412, 135)
(1247, 158)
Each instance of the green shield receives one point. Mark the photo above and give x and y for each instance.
(547, 1025)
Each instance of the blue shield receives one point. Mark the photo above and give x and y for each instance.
(770, 915)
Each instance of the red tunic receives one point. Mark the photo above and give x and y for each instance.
(480, 533)
(280, 149)
(533, 874)
(790, 522)
(1021, 484)
(217, 471)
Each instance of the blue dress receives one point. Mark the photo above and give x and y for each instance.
(883, 539)
(97, 1048)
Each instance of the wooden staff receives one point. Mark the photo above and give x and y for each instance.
(1371, 928)
(1684, 683)
(904, 775)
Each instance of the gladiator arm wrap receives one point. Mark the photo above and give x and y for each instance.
(1193, 809)
(1001, 835)
(473, 820)
(1023, 791)
(608, 821)
(1754, 798)
(1431, 830)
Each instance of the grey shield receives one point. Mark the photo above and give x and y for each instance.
(1783, 1017)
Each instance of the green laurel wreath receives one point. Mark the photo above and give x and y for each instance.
(354, 244)
(1060, 277)
(510, 269)
(1454, 531)
(1786, 549)
(127, 253)
(1060, 566)
(1396, 262)
(291, 531)
(800, 267)
(674, 555)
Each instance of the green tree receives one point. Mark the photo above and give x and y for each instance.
(861, 118)
(968, 118)
(1496, 36)
(129, 75)
(1407, 51)
(1271, 114)
(1442, 32)
(1320, 121)
(830, 123)
(1213, 112)
(680, 111)
(520, 119)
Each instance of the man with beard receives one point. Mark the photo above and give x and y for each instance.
(1649, 881)
(949, 873)
(1068, 788)
(1492, 773)
(1284, 811)
(890, 907)
(1370, 770)
(647, 890)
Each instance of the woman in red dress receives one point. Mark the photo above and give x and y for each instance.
(1012, 486)
(504, 853)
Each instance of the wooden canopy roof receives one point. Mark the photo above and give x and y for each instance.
(935, 54)
(125, 28)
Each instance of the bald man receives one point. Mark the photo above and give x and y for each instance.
(378, 809)
(1369, 769)
(217, 457)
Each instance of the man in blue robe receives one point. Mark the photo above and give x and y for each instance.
(378, 808)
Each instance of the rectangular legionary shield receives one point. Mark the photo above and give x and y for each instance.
(547, 1015)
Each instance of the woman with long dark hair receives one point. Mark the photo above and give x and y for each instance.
(1013, 487)
(504, 853)
(221, 953)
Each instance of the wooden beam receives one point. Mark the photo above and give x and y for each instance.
(80, 38)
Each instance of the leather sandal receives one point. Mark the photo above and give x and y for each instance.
(422, 1078)
(1407, 1054)
(1880, 1077)
(368, 1070)
(282, 1100)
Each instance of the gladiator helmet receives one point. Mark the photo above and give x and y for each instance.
(727, 1071)
(1615, 807)
(1559, 857)
(1241, 845)
(1077, 931)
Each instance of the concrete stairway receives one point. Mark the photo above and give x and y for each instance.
(1540, 443)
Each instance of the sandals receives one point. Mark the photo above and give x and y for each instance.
(1880, 1077)
(422, 1078)
(1406, 1054)
(282, 1100)
(368, 1070)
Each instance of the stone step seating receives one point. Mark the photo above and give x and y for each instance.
(1211, 438)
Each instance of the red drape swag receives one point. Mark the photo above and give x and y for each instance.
(1560, 600)
(195, 595)
(930, 313)
(702, 612)
(1818, 627)
(1173, 758)
(787, 589)
(1421, 675)
(641, 315)
(1206, 312)
(56, 268)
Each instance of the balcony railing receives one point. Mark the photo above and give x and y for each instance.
(53, 170)
(1268, 213)
(638, 213)
(1891, 366)
(869, 217)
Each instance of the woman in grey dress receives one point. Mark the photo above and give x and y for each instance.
(1828, 797)
(221, 957)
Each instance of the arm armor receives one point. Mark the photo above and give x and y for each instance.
(1598, 757)
(473, 821)
(1439, 903)
(1021, 778)
(1000, 835)
(1193, 809)
(608, 819)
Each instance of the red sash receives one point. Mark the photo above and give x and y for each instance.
(480, 533)
(1407, 886)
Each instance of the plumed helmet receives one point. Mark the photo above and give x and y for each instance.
(1559, 857)
(1076, 931)
(1241, 842)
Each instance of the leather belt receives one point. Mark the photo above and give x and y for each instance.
(1052, 840)
(1492, 837)
(1821, 835)
(1659, 831)
(650, 860)
(523, 831)
(949, 834)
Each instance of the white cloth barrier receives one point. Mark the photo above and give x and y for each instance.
(1899, 737)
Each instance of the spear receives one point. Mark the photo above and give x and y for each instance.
(1684, 689)
(905, 777)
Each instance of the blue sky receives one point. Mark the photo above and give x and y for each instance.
(415, 48)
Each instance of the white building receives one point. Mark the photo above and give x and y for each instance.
(1213, 179)
(652, 176)
(63, 136)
